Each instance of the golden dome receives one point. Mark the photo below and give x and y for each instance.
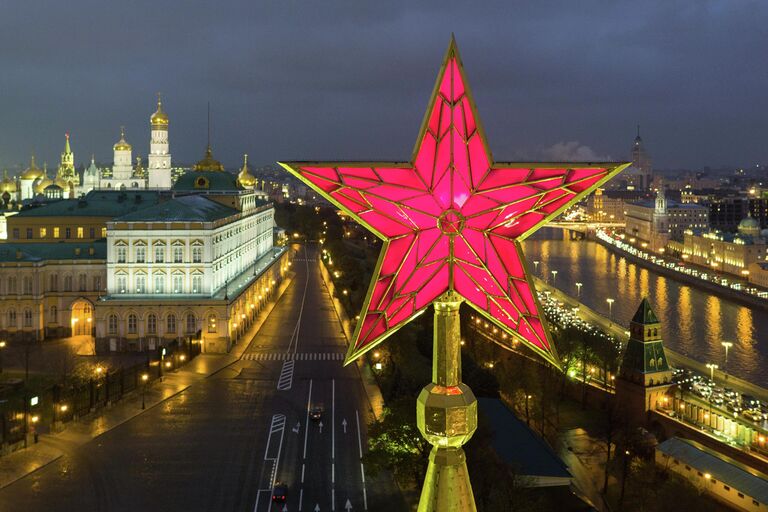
(32, 172)
(208, 163)
(8, 184)
(245, 178)
(159, 119)
(122, 145)
(39, 185)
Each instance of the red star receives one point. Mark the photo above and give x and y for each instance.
(452, 219)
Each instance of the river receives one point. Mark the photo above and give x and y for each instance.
(694, 321)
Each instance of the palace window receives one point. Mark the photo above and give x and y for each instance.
(56, 233)
(11, 318)
(132, 324)
(197, 254)
(121, 254)
(211, 323)
(152, 324)
(191, 325)
(178, 283)
(29, 232)
(141, 254)
(43, 232)
(54, 315)
(27, 285)
(170, 324)
(178, 254)
(91, 233)
(79, 232)
(159, 283)
(112, 324)
(141, 284)
(121, 284)
(159, 254)
(12, 285)
(197, 284)
(67, 283)
(27, 318)
(67, 232)
(81, 282)
(97, 283)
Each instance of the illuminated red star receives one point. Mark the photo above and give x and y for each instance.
(452, 219)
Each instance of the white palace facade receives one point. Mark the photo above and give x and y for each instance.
(194, 263)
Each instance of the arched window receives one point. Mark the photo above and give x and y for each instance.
(112, 324)
(27, 318)
(81, 282)
(27, 285)
(191, 323)
(11, 318)
(67, 283)
(11, 284)
(152, 323)
(54, 282)
(655, 332)
(211, 323)
(54, 315)
(132, 324)
(170, 324)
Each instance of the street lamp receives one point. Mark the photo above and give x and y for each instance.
(578, 289)
(536, 266)
(712, 368)
(527, 417)
(610, 308)
(726, 345)
(144, 379)
(554, 277)
(2, 347)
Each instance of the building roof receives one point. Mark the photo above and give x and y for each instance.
(192, 208)
(97, 203)
(53, 251)
(518, 445)
(202, 181)
(644, 313)
(671, 205)
(723, 469)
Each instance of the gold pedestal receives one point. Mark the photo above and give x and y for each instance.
(447, 417)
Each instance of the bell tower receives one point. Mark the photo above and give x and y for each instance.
(159, 161)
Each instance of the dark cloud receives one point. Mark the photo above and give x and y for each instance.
(350, 80)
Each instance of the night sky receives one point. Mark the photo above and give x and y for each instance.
(351, 80)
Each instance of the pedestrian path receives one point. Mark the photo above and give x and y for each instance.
(287, 356)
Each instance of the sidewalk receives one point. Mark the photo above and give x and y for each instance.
(51, 447)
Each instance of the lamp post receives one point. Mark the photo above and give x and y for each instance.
(527, 417)
(536, 266)
(725, 344)
(144, 380)
(2, 348)
(554, 277)
(578, 289)
(712, 367)
(610, 308)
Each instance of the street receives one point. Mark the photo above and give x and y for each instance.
(224, 442)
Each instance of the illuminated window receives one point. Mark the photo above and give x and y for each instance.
(141, 254)
(103, 232)
(141, 284)
(197, 284)
(159, 283)
(121, 254)
(197, 254)
(79, 232)
(159, 253)
(43, 232)
(212, 323)
(178, 254)
(121, 280)
(178, 283)
(55, 232)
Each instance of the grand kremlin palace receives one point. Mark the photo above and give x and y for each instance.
(137, 269)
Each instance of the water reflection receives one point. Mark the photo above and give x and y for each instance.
(694, 321)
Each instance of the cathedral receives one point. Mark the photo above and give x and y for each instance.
(67, 183)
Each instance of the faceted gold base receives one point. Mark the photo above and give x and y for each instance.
(446, 486)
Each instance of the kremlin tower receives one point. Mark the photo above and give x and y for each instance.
(159, 168)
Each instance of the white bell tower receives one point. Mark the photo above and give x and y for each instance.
(159, 166)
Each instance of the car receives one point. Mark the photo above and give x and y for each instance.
(316, 413)
(279, 492)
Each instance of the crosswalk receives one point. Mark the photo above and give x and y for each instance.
(301, 356)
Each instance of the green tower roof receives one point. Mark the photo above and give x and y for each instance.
(645, 314)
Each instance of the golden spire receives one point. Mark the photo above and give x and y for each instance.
(159, 120)
(208, 163)
(32, 172)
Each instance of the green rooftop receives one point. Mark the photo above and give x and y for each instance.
(192, 208)
(53, 251)
(206, 181)
(645, 314)
(97, 203)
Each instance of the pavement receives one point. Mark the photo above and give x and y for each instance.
(221, 432)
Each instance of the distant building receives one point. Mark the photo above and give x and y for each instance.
(728, 481)
(725, 213)
(609, 205)
(732, 253)
(638, 176)
(644, 374)
(656, 222)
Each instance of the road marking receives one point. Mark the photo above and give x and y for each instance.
(276, 426)
(285, 382)
(301, 310)
(301, 497)
(301, 356)
(306, 430)
(362, 468)
(344, 424)
(333, 419)
(348, 505)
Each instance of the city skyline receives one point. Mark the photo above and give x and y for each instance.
(262, 69)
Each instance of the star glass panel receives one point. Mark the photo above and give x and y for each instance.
(452, 220)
